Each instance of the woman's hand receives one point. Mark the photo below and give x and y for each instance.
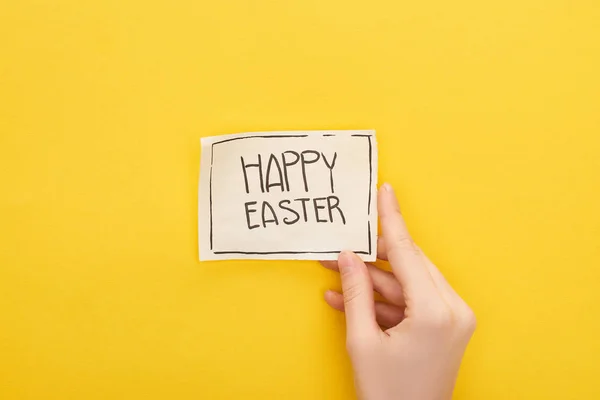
(426, 324)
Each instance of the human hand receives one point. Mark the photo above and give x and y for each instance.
(427, 326)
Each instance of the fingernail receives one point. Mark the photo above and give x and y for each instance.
(346, 260)
(387, 187)
(329, 264)
(330, 295)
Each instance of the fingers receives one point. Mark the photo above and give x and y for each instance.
(439, 279)
(387, 315)
(404, 257)
(384, 282)
(381, 250)
(437, 276)
(358, 296)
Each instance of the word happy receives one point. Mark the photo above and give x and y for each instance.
(272, 174)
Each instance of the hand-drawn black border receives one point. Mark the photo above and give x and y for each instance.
(288, 252)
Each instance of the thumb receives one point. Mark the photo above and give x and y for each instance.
(358, 295)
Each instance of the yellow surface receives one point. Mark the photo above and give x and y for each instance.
(488, 117)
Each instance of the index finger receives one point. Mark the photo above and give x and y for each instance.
(402, 253)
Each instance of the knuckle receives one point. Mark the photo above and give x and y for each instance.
(351, 293)
(405, 242)
(457, 318)
(439, 317)
(467, 319)
(402, 245)
(346, 273)
(442, 319)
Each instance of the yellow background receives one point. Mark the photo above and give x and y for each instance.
(488, 119)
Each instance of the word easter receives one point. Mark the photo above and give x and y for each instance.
(273, 175)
